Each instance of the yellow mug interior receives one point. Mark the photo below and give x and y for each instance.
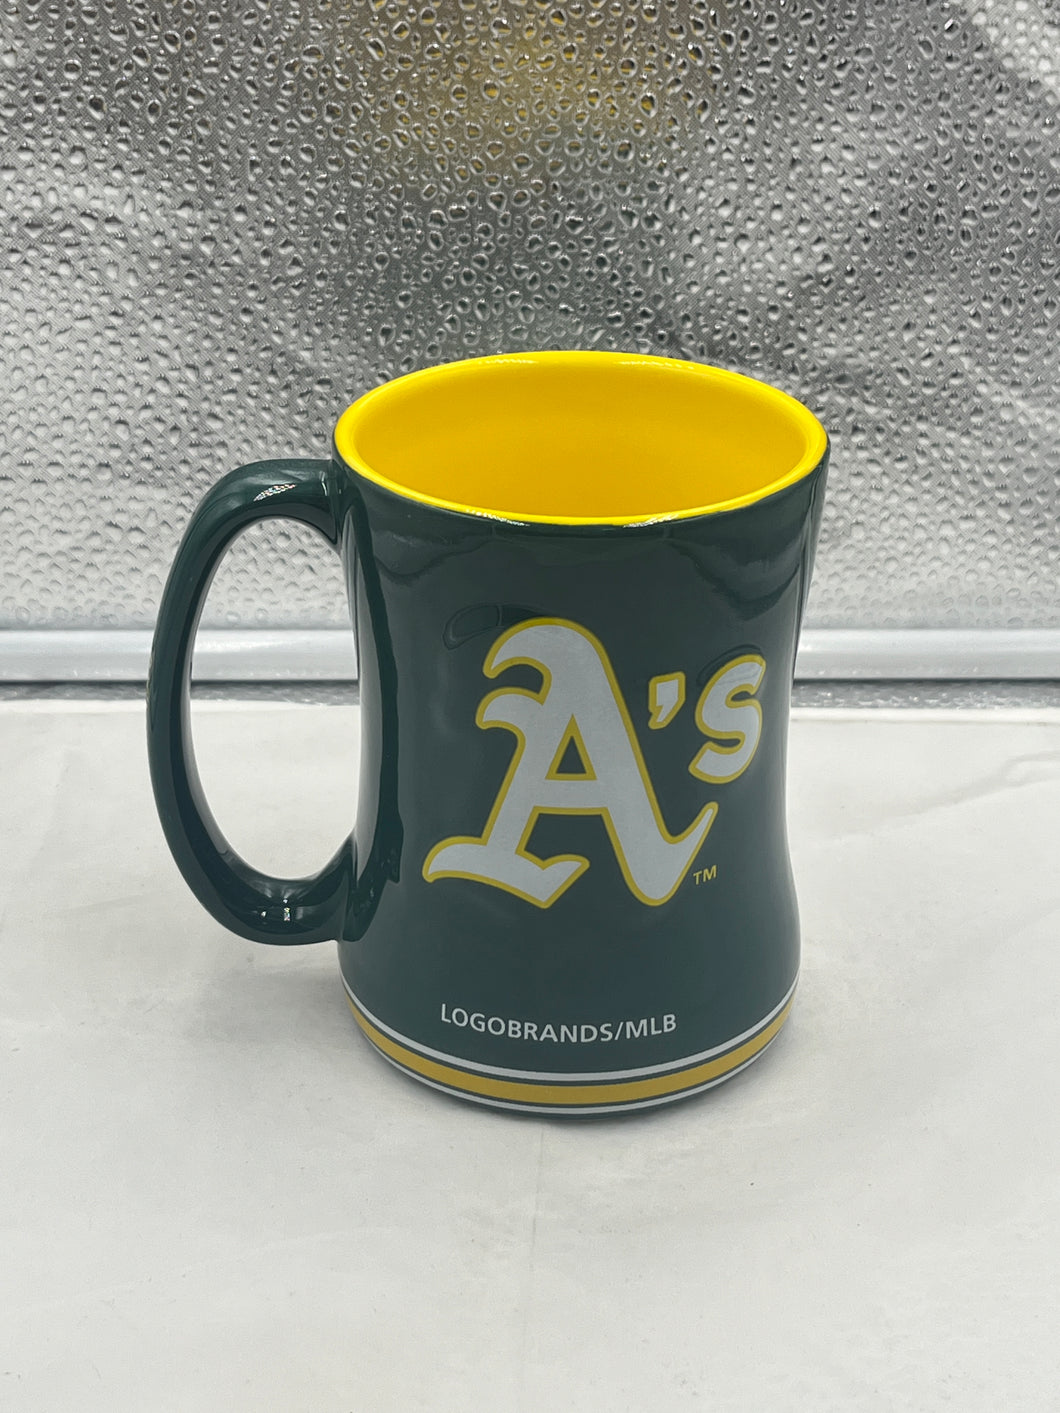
(580, 438)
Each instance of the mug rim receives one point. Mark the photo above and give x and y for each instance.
(815, 438)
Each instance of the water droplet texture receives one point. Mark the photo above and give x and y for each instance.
(224, 223)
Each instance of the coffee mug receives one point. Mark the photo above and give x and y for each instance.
(576, 582)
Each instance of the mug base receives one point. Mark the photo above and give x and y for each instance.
(576, 1094)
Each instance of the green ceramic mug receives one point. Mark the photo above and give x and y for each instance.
(576, 582)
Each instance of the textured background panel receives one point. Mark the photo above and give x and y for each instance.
(222, 221)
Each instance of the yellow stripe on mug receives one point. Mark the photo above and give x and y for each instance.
(575, 1095)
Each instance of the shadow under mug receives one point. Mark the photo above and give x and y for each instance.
(576, 582)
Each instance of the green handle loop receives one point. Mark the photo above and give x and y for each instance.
(250, 903)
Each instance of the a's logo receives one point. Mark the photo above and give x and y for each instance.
(577, 753)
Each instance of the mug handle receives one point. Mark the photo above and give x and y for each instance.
(252, 904)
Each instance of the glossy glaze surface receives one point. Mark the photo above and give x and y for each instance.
(570, 886)
(251, 903)
(564, 437)
(434, 593)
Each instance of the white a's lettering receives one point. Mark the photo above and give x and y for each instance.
(576, 753)
(730, 717)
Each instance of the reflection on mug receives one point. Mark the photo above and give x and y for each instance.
(484, 618)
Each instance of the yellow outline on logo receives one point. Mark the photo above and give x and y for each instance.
(491, 669)
(572, 733)
(732, 699)
(660, 715)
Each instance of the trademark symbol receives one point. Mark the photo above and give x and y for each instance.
(705, 875)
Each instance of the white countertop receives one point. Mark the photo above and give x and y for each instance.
(214, 1195)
